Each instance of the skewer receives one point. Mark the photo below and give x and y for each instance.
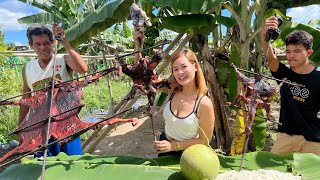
(268, 77)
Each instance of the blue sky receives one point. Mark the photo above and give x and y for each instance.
(11, 10)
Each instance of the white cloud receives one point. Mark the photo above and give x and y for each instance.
(17, 43)
(9, 20)
(11, 11)
(304, 14)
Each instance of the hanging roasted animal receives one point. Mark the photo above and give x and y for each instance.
(143, 76)
(66, 105)
(258, 94)
(139, 18)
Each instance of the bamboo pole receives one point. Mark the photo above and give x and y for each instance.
(173, 43)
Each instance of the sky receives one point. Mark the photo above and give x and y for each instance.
(12, 10)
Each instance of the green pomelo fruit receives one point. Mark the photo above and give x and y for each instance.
(199, 162)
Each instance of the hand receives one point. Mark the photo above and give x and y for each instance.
(58, 31)
(138, 38)
(270, 23)
(173, 83)
(164, 146)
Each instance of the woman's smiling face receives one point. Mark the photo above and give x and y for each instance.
(183, 70)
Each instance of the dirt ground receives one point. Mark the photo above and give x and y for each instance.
(135, 141)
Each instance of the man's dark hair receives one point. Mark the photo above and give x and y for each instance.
(38, 30)
(297, 37)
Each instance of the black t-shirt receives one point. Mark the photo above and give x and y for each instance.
(300, 105)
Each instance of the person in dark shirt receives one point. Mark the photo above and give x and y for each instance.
(300, 108)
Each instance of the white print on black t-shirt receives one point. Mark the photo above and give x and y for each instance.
(302, 92)
(299, 93)
(318, 115)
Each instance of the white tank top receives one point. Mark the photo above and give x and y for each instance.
(179, 128)
(38, 78)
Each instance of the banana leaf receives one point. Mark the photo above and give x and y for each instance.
(125, 167)
(234, 58)
(193, 6)
(222, 71)
(307, 165)
(41, 18)
(195, 23)
(288, 27)
(98, 21)
(259, 130)
(91, 167)
(81, 170)
(257, 160)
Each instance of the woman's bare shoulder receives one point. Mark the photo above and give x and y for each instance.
(205, 103)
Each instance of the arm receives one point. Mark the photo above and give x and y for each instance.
(24, 109)
(273, 62)
(138, 37)
(73, 59)
(172, 83)
(206, 126)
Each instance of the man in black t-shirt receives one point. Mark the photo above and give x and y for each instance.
(300, 105)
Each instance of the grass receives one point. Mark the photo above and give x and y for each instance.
(97, 96)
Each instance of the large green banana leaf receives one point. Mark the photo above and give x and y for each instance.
(98, 21)
(196, 23)
(81, 170)
(307, 165)
(258, 160)
(167, 167)
(288, 26)
(92, 167)
(193, 6)
(41, 18)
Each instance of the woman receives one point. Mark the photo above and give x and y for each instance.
(188, 114)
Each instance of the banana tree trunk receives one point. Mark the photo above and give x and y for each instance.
(222, 131)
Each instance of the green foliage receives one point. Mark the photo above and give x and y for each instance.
(116, 29)
(257, 160)
(166, 167)
(98, 21)
(91, 167)
(96, 96)
(307, 165)
(194, 6)
(259, 128)
(10, 85)
(66, 12)
(151, 33)
(3, 47)
(126, 30)
(288, 27)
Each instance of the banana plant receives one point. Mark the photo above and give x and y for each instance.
(66, 12)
